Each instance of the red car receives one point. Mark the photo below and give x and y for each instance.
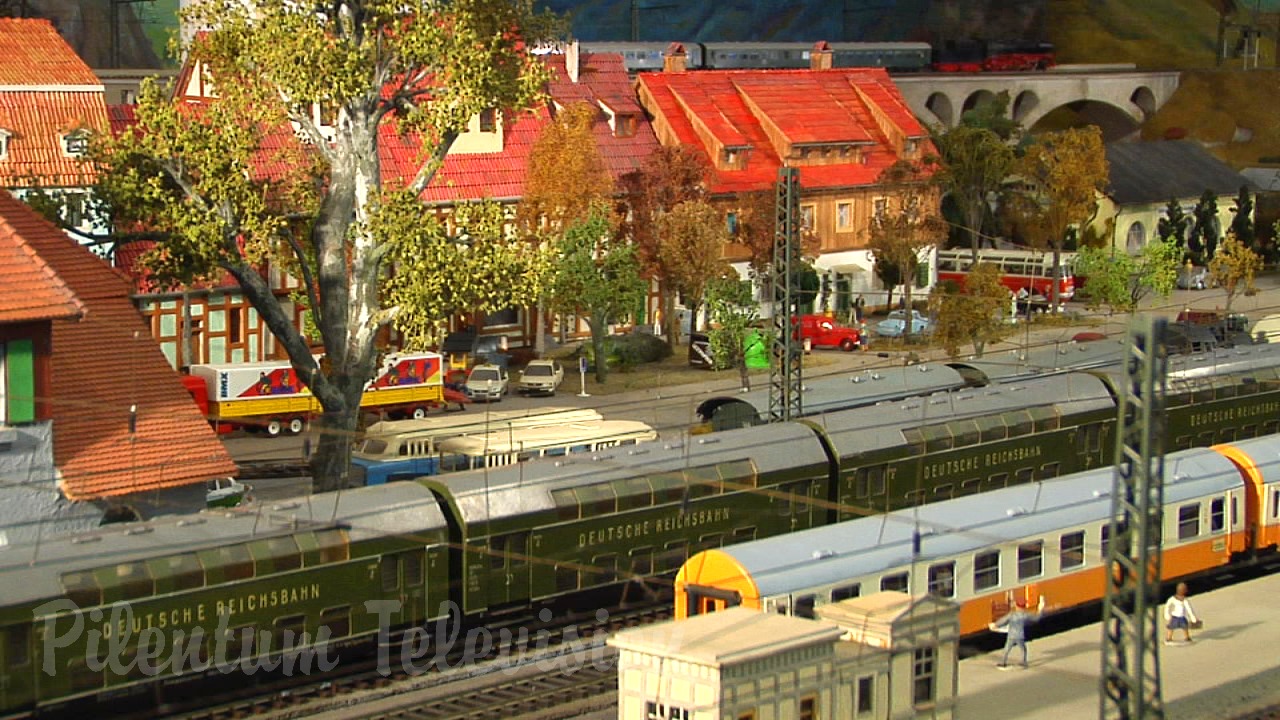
(822, 331)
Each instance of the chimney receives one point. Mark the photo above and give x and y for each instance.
(571, 60)
(820, 56)
(675, 59)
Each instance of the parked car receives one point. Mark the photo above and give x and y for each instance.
(822, 331)
(541, 377)
(225, 492)
(896, 323)
(487, 383)
(1193, 278)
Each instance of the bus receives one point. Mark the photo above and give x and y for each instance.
(495, 449)
(405, 449)
(1027, 273)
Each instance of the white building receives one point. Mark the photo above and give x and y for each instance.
(879, 657)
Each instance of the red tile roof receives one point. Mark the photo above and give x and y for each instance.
(104, 364)
(33, 53)
(603, 80)
(739, 109)
(29, 288)
(121, 117)
(37, 121)
(46, 90)
(475, 176)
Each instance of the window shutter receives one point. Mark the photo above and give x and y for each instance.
(20, 364)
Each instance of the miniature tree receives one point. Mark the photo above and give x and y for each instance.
(1205, 230)
(598, 278)
(1061, 175)
(669, 176)
(733, 317)
(1172, 226)
(973, 314)
(974, 163)
(1242, 220)
(1234, 267)
(691, 240)
(1119, 281)
(910, 225)
(195, 174)
(567, 176)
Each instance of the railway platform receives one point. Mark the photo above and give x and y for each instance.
(1230, 670)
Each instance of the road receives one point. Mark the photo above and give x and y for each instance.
(672, 409)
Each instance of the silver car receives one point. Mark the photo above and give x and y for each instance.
(487, 383)
(541, 377)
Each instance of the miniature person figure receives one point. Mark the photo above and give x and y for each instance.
(1015, 623)
(1179, 615)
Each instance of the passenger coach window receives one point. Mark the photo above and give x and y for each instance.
(804, 607)
(986, 570)
(1071, 550)
(844, 592)
(942, 579)
(1030, 560)
(1188, 521)
(896, 582)
(1217, 515)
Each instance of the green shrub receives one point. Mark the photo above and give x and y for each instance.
(624, 352)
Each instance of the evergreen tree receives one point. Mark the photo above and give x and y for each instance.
(1242, 220)
(1173, 226)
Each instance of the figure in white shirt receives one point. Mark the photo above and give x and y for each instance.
(1179, 615)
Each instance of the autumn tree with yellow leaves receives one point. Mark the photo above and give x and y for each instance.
(910, 226)
(566, 181)
(1234, 267)
(1058, 180)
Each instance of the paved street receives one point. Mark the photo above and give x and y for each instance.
(671, 409)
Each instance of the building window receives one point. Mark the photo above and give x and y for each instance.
(75, 143)
(809, 708)
(489, 120)
(1188, 521)
(844, 217)
(922, 675)
(624, 126)
(808, 217)
(986, 570)
(1030, 560)
(1136, 238)
(942, 579)
(1071, 550)
(658, 711)
(731, 223)
(865, 702)
(4, 143)
(879, 206)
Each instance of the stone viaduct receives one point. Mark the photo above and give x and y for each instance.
(1117, 99)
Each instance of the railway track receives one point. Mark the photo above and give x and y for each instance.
(547, 676)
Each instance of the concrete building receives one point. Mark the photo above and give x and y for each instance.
(879, 657)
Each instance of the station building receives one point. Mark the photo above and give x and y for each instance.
(883, 656)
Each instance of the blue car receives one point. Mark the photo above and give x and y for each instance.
(894, 325)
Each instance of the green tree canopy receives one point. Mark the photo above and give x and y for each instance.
(598, 278)
(1119, 281)
(198, 174)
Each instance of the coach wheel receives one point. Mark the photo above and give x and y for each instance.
(296, 425)
(419, 413)
(273, 428)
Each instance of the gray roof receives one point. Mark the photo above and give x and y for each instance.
(33, 572)
(1155, 172)
(829, 555)
(1266, 178)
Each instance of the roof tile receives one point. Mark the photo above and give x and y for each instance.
(103, 365)
(33, 53)
(742, 107)
(29, 288)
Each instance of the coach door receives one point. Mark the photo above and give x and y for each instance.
(510, 572)
(404, 578)
(16, 670)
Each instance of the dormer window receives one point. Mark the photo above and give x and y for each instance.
(624, 126)
(5, 135)
(489, 120)
(75, 143)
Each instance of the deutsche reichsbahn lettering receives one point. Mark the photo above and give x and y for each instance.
(642, 528)
(982, 461)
